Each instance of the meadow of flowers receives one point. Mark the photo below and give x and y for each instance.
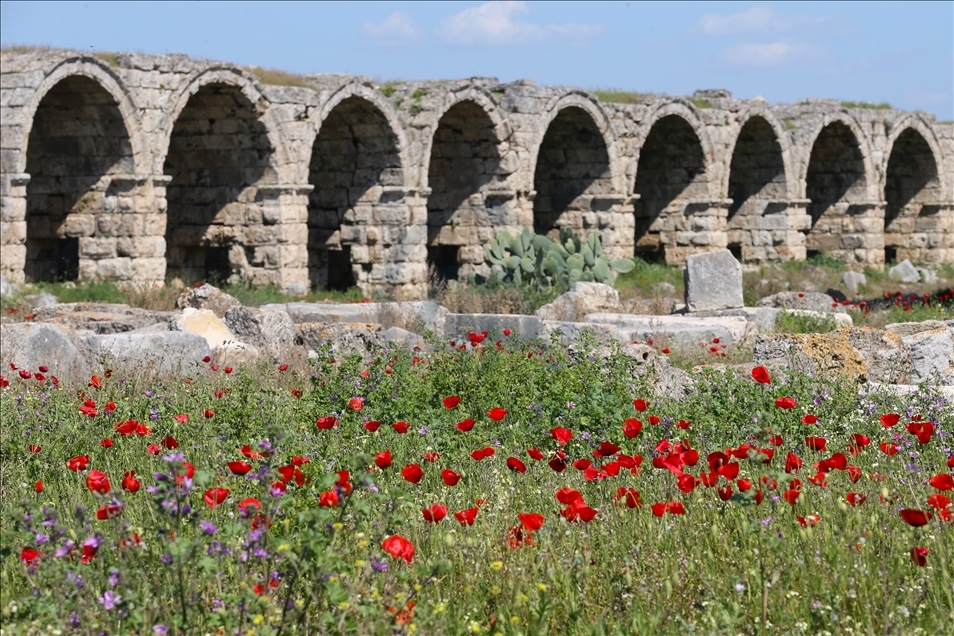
(494, 486)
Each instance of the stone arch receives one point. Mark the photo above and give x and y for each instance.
(912, 191)
(757, 182)
(463, 161)
(78, 151)
(357, 160)
(673, 166)
(838, 180)
(218, 153)
(571, 165)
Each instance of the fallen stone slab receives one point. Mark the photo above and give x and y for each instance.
(207, 297)
(713, 281)
(902, 390)
(582, 299)
(415, 316)
(684, 332)
(858, 352)
(572, 331)
(810, 301)
(342, 337)
(270, 331)
(905, 272)
(931, 354)
(170, 353)
(458, 325)
(30, 345)
(101, 318)
(8, 288)
(226, 347)
(853, 280)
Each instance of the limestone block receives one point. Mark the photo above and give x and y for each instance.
(853, 279)
(905, 272)
(170, 353)
(270, 331)
(582, 299)
(811, 301)
(8, 288)
(29, 345)
(207, 297)
(459, 325)
(713, 281)
(681, 332)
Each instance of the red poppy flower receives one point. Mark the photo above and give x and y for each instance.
(372, 425)
(450, 477)
(915, 518)
(888, 448)
(465, 425)
(129, 482)
(744, 484)
(412, 473)
(792, 462)
(398, 547)
(675, 508)
(497, 413)
(579, 511)
(809, 521)
(628, 496)
(78, 463)
(451, 401)
(109, 511)
(516, 465)
(725, 493)
(435, 512)
(431, 456)
(239, 468)
(327, 422)
(950, 461)
(169, 442)
(659, 509)
(383, 459)
(38, 486)
(35, 449)
(939, 501)
(29, 556)
(566, 496)
(922, 430)
(356, 404)
(97, 481)
(809, 419)
(535, 454)
(855, 498)
(582, 464)
(654, 420)
(854, 473)
(517, 536)
(401, 427)
(686, 483)
(531, 521)
(606, 449)
(761, 375)
(632, 427)
(919, 556)
(791, 496)
(942, 481)
(640, 405)
(215, 496)
(466, 517)
(208, 414)
(557, 463)
(561, 435)
(890, 419)
(182, 418)
(860, 440)
(785, 403)
(816, 443)
(109, 407)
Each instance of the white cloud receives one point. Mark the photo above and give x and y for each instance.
(497, 24)
(397, 28)
(754, 20)
(771, 53)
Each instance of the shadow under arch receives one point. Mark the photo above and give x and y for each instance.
(464, 159)
(355, 151)
(573, 161)
(912, 192)
(78, 141)
(671, 168)
(219, 153)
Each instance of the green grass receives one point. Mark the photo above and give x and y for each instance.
(725, 567)
(615, 96)
(795, 323)
(867, 105)
(640, 281)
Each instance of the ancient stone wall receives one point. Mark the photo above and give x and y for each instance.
(159, 168)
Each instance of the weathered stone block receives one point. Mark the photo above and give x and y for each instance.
(713, 281)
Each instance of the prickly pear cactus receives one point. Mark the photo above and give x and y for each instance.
(544, 262)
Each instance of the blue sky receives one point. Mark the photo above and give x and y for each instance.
(899, 53)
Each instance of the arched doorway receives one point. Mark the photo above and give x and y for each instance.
(912, 191)
(671, 170)
(355, 150)
(572, 163)
(219, 153)
(77, 142)
(835, 180)
(464, 160)
(756, 177)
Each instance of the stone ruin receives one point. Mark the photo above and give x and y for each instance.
(154, 168)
